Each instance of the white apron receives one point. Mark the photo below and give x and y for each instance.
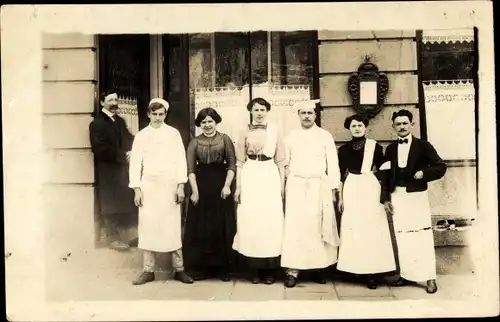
(414, 235)
(365, 240)
(260, 213)
(160, 215)
(304, 246)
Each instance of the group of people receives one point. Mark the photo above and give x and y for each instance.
(270, 200)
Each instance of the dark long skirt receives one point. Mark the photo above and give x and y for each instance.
(211, 224)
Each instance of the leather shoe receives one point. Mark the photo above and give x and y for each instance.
(144, 278)
(199, 276)
(224, 277)
(183, 277)
(431, 287)
(269, 280)
(319, 278)
(401, 282)
(290, 281)
(371, 284)
(134, 242)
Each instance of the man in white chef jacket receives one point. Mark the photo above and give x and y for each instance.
(311, 238)
(158, 172)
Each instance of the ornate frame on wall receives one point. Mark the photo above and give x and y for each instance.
(368, 74)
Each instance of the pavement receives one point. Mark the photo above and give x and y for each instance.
(107, 275)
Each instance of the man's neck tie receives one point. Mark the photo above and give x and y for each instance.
(403, 141)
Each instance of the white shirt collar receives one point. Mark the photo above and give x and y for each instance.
(108, 113)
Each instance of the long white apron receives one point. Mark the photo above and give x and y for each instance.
(260, 214)
(365, 240)
(160, 215)
(303, 245)
(414, 235)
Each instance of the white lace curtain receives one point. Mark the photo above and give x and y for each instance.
(127, 109)
(447, 35)
(231, 102)
(450, 118)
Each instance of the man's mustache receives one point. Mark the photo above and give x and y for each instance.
(115, 106)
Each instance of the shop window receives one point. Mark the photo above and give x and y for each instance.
(449, 74)
(226, 70)
(448, 60)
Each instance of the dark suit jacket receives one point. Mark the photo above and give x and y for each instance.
(422, 156)
(110, 142)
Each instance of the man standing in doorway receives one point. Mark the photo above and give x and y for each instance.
(111, 144)
(311, 237)
(410, 163)
(158, 173)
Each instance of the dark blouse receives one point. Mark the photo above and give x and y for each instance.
(351, 157)
(207, 150)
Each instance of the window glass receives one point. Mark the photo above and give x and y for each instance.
(218, 67)
(228, 69)
(282, 73)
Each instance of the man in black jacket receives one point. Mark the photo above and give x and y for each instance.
(410, 163)
(111, 143)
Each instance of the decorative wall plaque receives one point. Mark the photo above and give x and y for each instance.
(368, 88)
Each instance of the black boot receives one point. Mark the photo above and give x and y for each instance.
(371, 283)
(144, 278)
(290, 281)
(255, 278)
(319, 277)
(270, 277)
(183, 277)
(223, 274)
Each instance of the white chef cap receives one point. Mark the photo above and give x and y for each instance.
(159, 101)
(306, 105)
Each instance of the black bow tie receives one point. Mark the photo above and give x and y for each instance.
(402, 141)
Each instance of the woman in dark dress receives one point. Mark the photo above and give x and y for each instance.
(365, 242)
(210, 224)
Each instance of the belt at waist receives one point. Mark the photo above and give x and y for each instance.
(259, 157)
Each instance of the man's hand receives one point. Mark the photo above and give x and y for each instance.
(419, 175)
(138, 197)
(180, 195)
(127, 155)
(226, 191)
(237, 195)
(389, 208)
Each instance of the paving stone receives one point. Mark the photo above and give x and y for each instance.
(200, 290)
(246, 291)
(350, 289)
(367, 298)
(330, 296)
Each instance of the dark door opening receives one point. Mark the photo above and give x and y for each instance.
(176, 83)
(124, 67)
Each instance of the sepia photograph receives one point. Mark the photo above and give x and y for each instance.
(326, 166)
